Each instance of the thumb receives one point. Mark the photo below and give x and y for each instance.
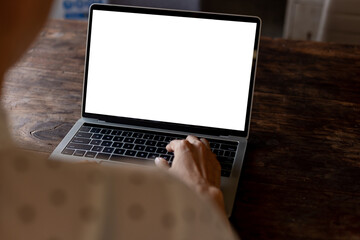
(162, 163)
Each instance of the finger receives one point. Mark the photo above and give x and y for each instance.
(161, 163)
(192, 139)
(172, 145)
(205, 142)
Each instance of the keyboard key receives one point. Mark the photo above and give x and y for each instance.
(150, 143)
(137, 135)
(161, 144)
(118, 139)
(126, 134)
(166, 157)
(148, 136)
(153, 155)
(226, 166)
(85, 129)
(159, 138)
(150, 149)
(142, 154)
(106, 131)
(115, 157)
(81, 140)
(229, 147)
(169, 139)
(129, 140)
(140, 141)
(83, 135)
(227, 160)
(106, 143)
(90, 154)
(79, 153)
(119, 151)
(68, 151)
(139, 147)
(116, 132)
(107, 137)
(161, 150)
(130, 153)
(117, 144)
(218, 152)
(229, 154)
(97, 149)
(79, 146)
(97, 136)
(104, 156)
(214, 145)
(95, 130)
(128, 146)
(108, 150)
(95, 142)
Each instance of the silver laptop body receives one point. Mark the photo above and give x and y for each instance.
(166, 71)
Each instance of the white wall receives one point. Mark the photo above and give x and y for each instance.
(323, 20)
(340, 22)
(302, 19)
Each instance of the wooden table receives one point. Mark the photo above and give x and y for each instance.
(301, 175)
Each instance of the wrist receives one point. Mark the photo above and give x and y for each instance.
(213, 193)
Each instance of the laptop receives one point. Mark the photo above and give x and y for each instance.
(155, 75)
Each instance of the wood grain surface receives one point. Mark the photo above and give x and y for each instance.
(301, 175)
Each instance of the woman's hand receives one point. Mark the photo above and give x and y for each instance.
(197, 166)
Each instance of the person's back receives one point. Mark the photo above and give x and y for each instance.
(42, 199)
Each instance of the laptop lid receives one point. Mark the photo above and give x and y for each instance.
(169, 69)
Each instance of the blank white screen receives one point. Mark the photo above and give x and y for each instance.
(171, 69)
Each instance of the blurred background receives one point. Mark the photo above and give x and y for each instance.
(313, 20)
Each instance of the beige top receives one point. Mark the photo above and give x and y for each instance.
(48, 200)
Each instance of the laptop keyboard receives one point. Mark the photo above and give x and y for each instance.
(113, 143)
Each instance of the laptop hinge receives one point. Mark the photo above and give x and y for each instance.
(231, 137)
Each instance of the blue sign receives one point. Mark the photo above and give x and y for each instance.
(78, 9)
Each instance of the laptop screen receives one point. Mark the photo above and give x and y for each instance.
(171, 69)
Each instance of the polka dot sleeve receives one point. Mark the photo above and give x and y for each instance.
(49, 200)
